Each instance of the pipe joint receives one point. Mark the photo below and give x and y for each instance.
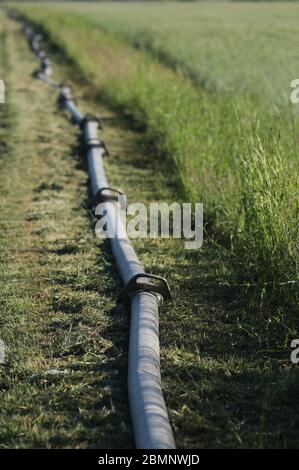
(91, 118)
(136, 284)
(95, 143)
(100, 196)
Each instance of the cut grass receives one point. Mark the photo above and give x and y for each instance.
(57, 308)
(204, 136)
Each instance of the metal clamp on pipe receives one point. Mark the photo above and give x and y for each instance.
(66, 101)
(100, 197)
(95, 143)
(65, 91)
(65, 88)
(134, 285)
(91, 118)
(63, 98)
(45, 62)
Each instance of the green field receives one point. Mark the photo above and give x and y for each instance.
(224, 109)
(199, 96)
(224, 47)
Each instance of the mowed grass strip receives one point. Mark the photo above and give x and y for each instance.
(64, 378)
(210, 135)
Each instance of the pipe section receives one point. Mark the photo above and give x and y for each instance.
(149, 415)
(148, 410)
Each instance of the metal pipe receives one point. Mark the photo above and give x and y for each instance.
(69, 104)
(149, 415)
(148, 410)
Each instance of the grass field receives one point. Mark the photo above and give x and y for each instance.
(237, 116)
(201, 89)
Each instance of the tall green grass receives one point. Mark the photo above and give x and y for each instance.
(270, 211)
(236, 152)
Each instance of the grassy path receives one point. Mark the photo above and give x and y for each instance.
(57, 293)
(58, 287)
